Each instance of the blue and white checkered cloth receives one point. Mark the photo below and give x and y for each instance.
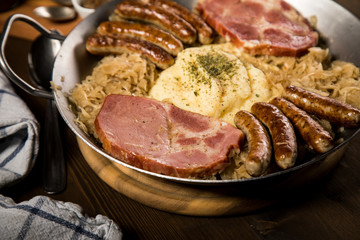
(41, 217)
(44, 218)
(19, 141)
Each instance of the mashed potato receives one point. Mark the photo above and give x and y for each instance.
(212, 82)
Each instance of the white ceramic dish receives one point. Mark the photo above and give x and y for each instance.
(82, 11)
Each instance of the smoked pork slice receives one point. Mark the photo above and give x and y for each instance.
(266, 27)
(162, 138)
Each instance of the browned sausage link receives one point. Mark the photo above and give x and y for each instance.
(148, 33)
(259, 145)
(166, 20)
(103, 44)
(315, 136)
(323, 107)
(205, 32)
(281, 131)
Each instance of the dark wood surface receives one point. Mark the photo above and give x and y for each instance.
(329, 209)
(26, 7)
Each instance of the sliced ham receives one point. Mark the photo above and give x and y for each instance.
(162, 138)
(267, 27)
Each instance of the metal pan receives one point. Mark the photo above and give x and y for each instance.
(73, 63)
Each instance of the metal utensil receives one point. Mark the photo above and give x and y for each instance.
(55, 13)
(41, 60)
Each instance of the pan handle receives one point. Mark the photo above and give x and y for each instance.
(37, 92)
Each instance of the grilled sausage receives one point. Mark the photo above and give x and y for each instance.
(168, 21)
(103, 44)
(204, 31)
(145, 32)
(323, 107)
(281, 131)
(259, 154)
(315, 136)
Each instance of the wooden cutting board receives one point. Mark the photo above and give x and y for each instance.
(195, 200)
(171, 196)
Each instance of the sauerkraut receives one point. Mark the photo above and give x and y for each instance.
(315, 72)
(127, 74)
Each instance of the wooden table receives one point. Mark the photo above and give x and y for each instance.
(328, 210)
(24, 31)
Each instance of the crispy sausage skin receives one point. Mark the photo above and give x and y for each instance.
(281, 131)
(168, 21)
(315, 136)
(259, 145)
(323, 107)
(145, 32)
(98, 44)
(204, 31)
